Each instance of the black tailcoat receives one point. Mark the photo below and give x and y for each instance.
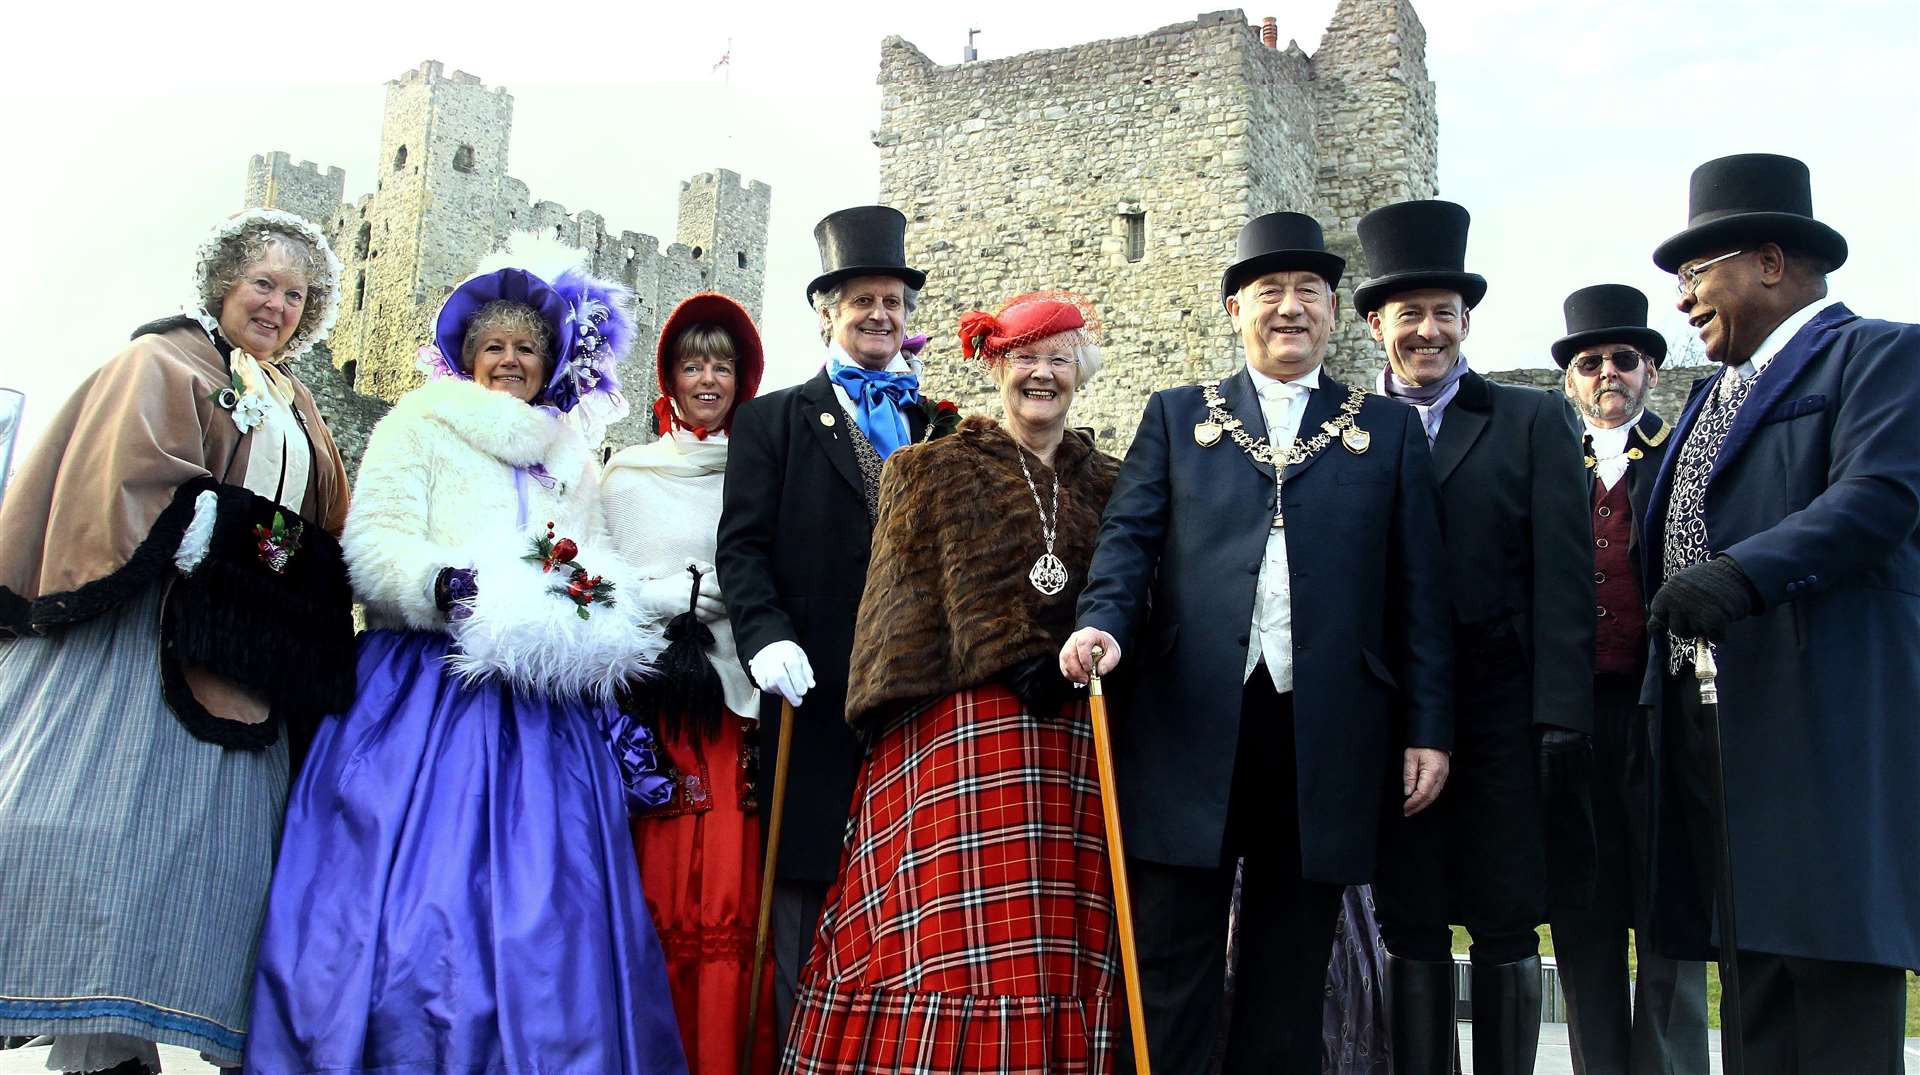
(793, 545)
(1816, 495)
(1184, 536)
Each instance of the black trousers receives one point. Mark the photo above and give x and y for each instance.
(1655, 1023)
(1286, 924)
(1476, 857)
(1799, 1016)
(795, 921)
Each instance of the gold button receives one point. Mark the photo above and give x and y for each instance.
(1599, 576)
(1605, 511)
(1600, 543)
(1600, 611)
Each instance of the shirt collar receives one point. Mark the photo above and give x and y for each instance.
(836, 353)
(1309, 380)
(1614, 439)
(1776, 340)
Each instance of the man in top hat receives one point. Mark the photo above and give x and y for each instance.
(1519, 585)
(796, 520)
(1264, 573)
(1783, 528)
(1612, 360)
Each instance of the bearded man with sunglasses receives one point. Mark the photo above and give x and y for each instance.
(1612, 361)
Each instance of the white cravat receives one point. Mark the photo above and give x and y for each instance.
(1282, 405)
(1610, 450)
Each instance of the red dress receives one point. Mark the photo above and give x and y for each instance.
(970, 929)
(700, 859)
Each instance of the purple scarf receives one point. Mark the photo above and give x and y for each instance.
(1432, 399)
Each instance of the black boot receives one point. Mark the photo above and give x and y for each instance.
(1506, 1016)
(1420, 1010)
(124, 1067)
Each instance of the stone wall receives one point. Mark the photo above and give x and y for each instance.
(1122, 170)
(275, 180)
(349, 416)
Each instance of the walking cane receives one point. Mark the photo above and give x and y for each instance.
(781, 754)
(1732, 1047)
(1117, 860)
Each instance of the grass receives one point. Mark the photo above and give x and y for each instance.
(1461, 940)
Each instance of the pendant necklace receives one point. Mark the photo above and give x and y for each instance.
(1048, 575)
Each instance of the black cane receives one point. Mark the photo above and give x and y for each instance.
(1732, 1047)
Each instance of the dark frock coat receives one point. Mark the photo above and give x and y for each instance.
(1517, 515)
(1173, 579)
(1816, 494)
(793, 545)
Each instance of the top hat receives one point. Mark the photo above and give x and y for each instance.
(1415, 245)
(1750, 198)
(867, 240)
(1608, 312)
(711, 308)
(1281, 241)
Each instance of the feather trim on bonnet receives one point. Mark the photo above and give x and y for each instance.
(592, 327)
(316, 320)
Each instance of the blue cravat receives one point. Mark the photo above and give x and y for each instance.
(877, 398)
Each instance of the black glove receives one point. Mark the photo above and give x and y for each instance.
(1563, 760)
(1038, 684)
(1702, 600)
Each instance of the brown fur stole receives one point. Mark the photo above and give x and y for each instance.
(947, 603)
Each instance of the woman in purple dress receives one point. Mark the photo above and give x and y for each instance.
(457, 889)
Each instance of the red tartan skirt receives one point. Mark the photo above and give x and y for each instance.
(971, 927)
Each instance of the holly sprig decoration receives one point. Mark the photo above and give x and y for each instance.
(581, 587)
(943, 417)
(276, 544)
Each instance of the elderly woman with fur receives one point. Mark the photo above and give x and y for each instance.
(173, 610)
(700, 853)
(457, 892)
(971, 924)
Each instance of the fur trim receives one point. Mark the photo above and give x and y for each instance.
(535, 640)
(947, 603)
(199, 533)
(516, 433)
(151, 560)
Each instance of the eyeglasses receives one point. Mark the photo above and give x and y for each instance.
(1058, 364)
(1688, 279)
(1624, 361)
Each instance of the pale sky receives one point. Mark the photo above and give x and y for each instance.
(1568, 129)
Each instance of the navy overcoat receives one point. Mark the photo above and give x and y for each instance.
(1816, 494)
(1184, 535)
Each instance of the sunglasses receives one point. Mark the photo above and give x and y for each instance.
(1624, 361)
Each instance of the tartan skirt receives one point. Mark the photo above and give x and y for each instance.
(971, 926)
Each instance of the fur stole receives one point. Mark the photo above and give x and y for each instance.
(947, 604)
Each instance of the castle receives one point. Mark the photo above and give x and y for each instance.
(443, 202)
(1123, 170)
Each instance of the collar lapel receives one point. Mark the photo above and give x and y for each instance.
(1243, 402)
(1465, 420)
(1778, 377)
(1322, 404)
(817, 401)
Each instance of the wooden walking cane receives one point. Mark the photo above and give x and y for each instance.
(1733, 1059)
(781, 753)
(1117, 862)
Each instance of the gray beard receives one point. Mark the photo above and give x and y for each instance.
(1590, 405)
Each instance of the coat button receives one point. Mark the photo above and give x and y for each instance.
(1600, 612)
(1599, 543)
(1599, 577)
(1793, 587)
(1813, 580)
(1605, 511)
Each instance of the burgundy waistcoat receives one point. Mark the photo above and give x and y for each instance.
(1620, 632)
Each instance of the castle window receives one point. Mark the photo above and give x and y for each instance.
(741, 257)
(360, 292)
(1136, 234)
(363, 241)
(697, 252)
(400, 158)
(349, 369)
(463, 159)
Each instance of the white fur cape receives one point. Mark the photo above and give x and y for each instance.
(437, 490)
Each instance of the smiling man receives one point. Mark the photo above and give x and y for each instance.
(796, 521)
(1612, 360)
(1264, 571)
(1518, 579)
(1785, 527)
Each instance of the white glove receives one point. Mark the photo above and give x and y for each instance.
(662, 598)
(781, 668)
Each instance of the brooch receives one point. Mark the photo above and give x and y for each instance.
(1206, 434)
(1356, 440)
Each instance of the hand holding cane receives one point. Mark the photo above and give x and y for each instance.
(1117, 861)
(781, 754)
(1732, 1047)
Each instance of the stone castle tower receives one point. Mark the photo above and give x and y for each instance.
(1123, 169)
(443, 201)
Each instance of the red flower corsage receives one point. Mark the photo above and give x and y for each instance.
(581, 587)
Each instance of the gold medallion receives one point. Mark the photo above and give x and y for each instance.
(1356, 440)
(1206, 434)
(826, 420)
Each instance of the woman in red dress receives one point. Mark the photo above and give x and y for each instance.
(699, 854)
(970, 929)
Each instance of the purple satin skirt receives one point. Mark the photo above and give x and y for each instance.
(456, 891)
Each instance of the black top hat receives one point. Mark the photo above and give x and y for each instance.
(1414, 245)
(1277, 242)
(1608, 313)
(867, 240)
(1750, 198)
